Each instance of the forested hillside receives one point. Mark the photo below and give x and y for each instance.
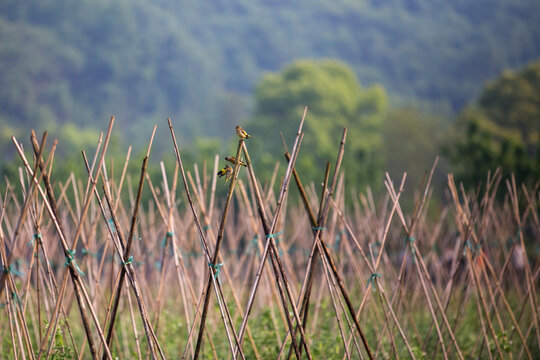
(198, 61)
(502, 129)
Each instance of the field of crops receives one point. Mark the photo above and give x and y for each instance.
(90, 270)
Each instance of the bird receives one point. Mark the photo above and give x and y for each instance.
(242, 134)
(232, 160)
(227, 171)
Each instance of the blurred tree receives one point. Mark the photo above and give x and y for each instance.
(503, 129)
(412, 138)
(144, 61)
(197, 62)
(70, 138)
(33, 87)
(335, 100)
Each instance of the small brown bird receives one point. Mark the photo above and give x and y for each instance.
(242, 134)
(227, 171)
(232, 160)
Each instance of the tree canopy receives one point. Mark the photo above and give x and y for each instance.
(502, 129)
(199, 62)
(144, 61)
(412, 139)
(335, 100)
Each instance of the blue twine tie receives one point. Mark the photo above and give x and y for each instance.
(9, 269)
(111, 224)
(128, 261)
(410, 240)
(71, 260)
(217, 268)
(164, 240)
(275, 237)
(474, 249)
(514, 239)
(371, 281)
(34, 238)
(16, 298)
(272, 236)
(467, 245)
(319, 228)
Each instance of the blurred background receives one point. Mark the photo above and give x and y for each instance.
(411, 79)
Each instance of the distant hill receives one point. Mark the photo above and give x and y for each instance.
(198, 61)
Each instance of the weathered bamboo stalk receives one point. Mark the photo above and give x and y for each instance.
(53, 211)
(270, 233)
(213, 261)
(323, 249)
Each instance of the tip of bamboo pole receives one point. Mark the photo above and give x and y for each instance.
(151, 141)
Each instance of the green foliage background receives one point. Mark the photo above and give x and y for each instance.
(199, 63)
(502, 129)
(335, 100)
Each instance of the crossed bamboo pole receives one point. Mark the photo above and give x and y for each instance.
(322, 249)
(212, 259)
(126, 262)
(473, 215)
(270, 231)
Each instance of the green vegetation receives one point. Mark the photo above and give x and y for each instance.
(502, 129)
(326, 342)
(61, 350)
(199, 62)
(467, 260)
(335, 100)
(412, 139)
